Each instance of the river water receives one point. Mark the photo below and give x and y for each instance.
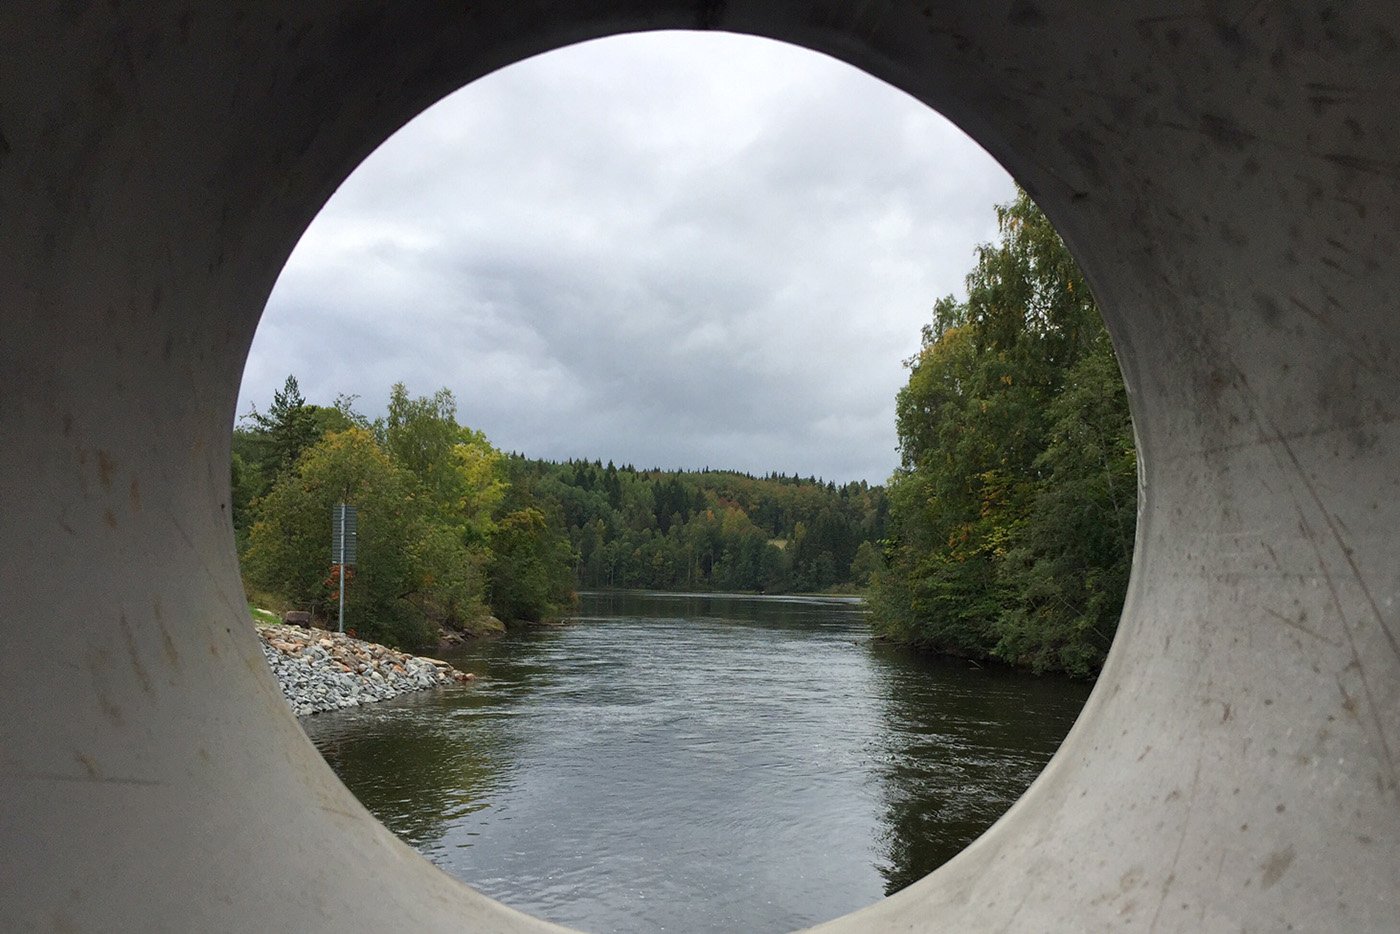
(699, 763)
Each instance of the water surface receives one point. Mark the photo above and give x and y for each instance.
(699, 763)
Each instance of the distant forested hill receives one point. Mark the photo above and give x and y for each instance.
(710, 529)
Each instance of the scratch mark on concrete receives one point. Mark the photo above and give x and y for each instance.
(89, 766)
(1359, 354)
(1015, 912)
(1339, 427)
(204, 564)
(1356, 663)
(1348, 702)
(129, 638)
(1345, 549)
(172, 655)
(1180, 843)
(1294, 624)
(83, 779)
(1379, 167)
(1377, 719)
(334, 810)
(105, 469)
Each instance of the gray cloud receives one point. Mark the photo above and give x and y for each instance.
(671, 249)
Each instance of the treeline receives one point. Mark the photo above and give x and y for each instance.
(453, 532)
(712, 529)
(1012, 514)
(447, 538)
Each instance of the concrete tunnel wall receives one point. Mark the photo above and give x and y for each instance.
(1226, 173)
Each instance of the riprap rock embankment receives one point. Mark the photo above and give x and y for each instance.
(322, 671)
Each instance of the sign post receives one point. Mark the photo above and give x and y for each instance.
(344, 529)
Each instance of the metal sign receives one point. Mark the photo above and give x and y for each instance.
(344, 537)
(344, 533)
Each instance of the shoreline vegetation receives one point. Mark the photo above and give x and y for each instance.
(1013, 512)
(1006, 533)
(453, 532)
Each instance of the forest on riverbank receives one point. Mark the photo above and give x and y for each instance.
(453, 532)
(446, 539)
(1013, 512)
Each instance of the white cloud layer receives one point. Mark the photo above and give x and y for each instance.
(674, 249)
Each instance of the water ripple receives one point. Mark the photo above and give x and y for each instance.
(699, 763)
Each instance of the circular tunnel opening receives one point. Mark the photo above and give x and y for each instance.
(704, 252)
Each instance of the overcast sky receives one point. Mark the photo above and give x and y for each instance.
(672, 249)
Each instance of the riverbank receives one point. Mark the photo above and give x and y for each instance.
(321, 671)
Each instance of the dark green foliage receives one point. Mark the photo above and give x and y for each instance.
(868, 561)
(1012, 513)
(289, 545)
(1071, 568)
(279, 435)
(531, 573)
(710, 529)
(439, 532)
(243, 488)
(270, 445)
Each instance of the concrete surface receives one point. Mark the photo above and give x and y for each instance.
(1226, 172)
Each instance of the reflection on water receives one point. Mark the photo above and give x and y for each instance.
(962, 746)
(699, 763)
(406, 761)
